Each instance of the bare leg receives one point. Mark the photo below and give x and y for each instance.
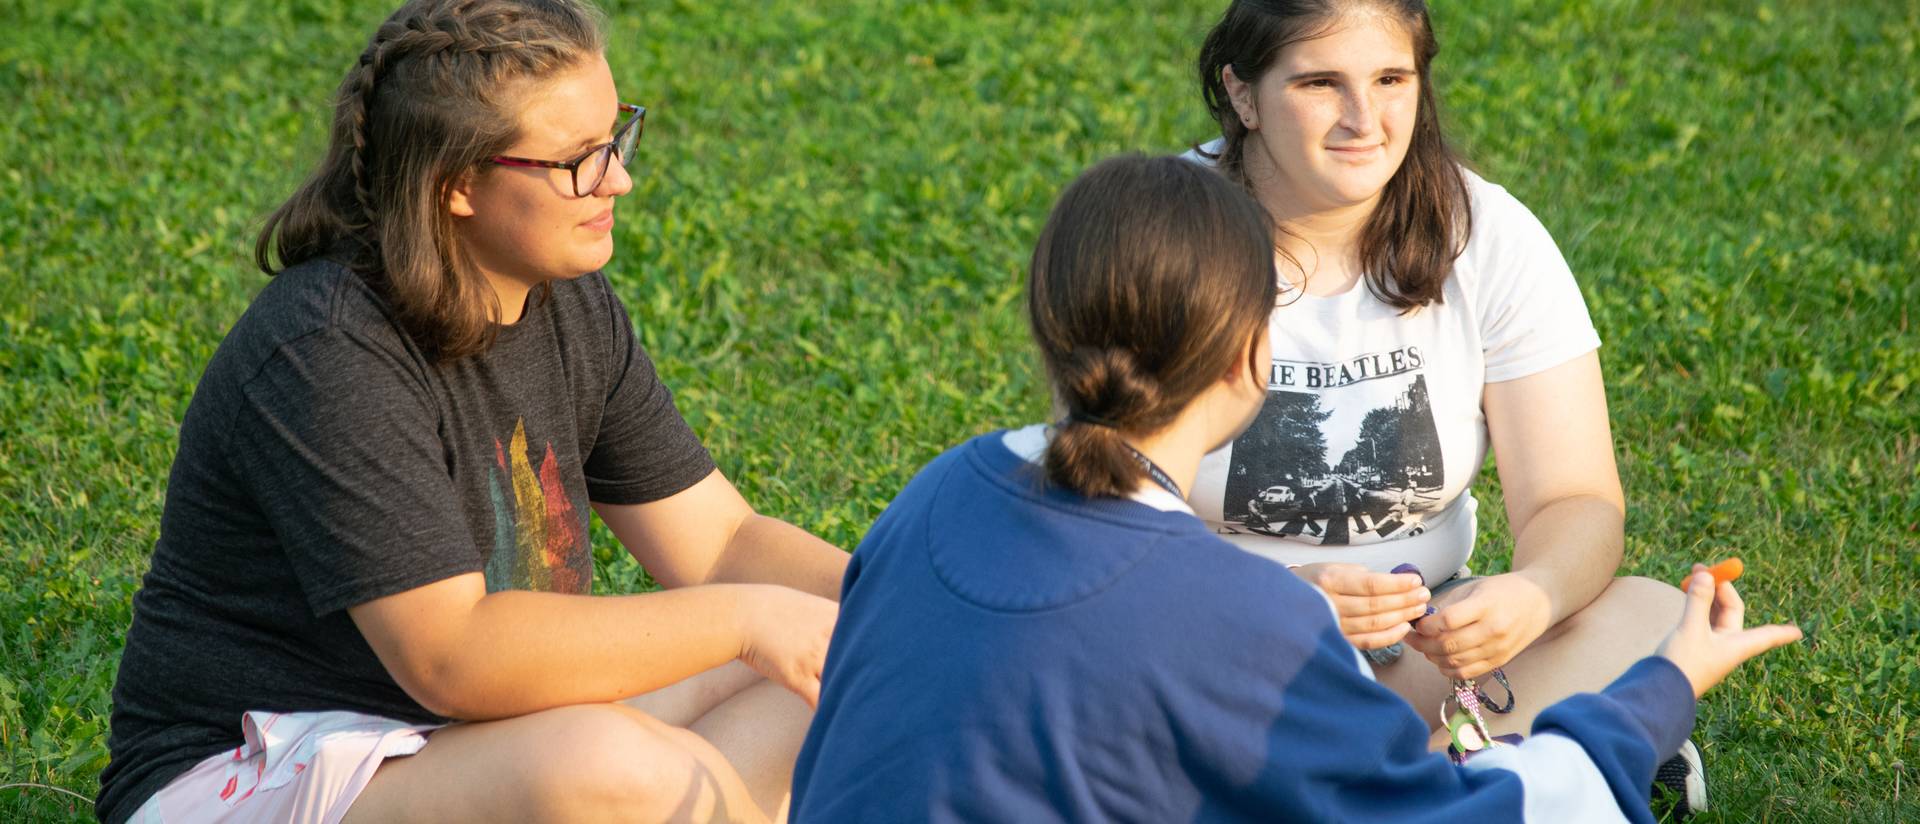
(1580, 654)
(756, 724)
(595, 762)
(681, 704)
(760, 731)
(717, 746)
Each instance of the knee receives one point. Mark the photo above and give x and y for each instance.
(1647, 596)
(1634, 603)
(619, 764)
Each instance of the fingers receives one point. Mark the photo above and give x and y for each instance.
(1699, 600)
(1467, 671)
(1353, 580)
(809, 690)
(1377, 604)
(1375, 609)
(1452, 617)
(1323, 575)
(1424, 645)
(1467, 660)
(1363, 623)
(802, 683)
(1382, 585)
(1458, 644)
(1464, 662)
(1729, 609)
(801, 676)
(1380, 639)
(1752, 642)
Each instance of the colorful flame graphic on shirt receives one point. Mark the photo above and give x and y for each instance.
(539, 536)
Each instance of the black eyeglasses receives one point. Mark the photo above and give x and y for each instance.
(591, 166)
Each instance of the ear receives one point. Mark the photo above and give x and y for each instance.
(1240, 92)
(460, 196)
(1249, 371)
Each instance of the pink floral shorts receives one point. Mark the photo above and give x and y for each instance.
(299, 766)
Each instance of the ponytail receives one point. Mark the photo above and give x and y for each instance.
(1108, 394)
(1149, 281)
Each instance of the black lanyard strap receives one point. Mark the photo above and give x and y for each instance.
(1158, 475)
(1154, 471)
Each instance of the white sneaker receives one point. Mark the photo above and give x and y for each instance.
(1684, 778)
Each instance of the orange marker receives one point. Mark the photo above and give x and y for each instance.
(1723, 572)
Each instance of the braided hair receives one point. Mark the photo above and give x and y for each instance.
(434, 94)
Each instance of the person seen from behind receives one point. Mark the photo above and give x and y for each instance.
(1039, 628)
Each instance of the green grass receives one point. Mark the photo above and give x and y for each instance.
(825, 249)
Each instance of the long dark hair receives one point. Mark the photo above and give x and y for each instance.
(1151, 277)
(437, 91)
(1422, 222)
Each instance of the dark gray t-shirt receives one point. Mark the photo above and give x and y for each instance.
(325, 462)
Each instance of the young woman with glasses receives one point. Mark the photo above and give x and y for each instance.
(375, 541)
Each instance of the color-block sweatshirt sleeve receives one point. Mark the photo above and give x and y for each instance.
(1336, 746)
(1596, 750)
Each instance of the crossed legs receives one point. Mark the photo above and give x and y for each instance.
(1580, 654)
(718, 746)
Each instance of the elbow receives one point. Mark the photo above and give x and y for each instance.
(1609, 502)
(730, 558)
(1599, 506)
(436, 687)
(445, 706)
(424, 639)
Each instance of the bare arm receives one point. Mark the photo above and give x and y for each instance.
(708, 534)
(1554, 451)
(464, 653)
(1553, 447)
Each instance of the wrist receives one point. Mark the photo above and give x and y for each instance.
(1544, 589)
(740, 609)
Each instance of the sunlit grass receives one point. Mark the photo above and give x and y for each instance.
(824, 251)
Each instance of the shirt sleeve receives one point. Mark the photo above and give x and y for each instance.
(644, 451)
(1331, 744)
(1598, 751)
(1532, 316)
(339, 442)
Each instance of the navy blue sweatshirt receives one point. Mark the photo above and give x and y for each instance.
(1011, 651)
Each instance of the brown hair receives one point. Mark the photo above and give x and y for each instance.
(434, 95)
(1151, 277)
(1421, 224)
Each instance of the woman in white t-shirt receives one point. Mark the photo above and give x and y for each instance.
(1425, 315)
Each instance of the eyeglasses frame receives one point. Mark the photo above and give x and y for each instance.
(573, 166)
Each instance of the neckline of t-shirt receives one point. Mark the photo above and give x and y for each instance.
(1028, 443)
(1303, 300)
(1015, 476)
(536, 313)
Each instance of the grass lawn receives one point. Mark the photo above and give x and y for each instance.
(825, 249)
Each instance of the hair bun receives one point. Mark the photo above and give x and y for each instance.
(1107, 385)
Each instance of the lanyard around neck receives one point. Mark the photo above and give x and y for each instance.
(1154, 471)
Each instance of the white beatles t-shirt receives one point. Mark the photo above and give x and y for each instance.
(1372, 432)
